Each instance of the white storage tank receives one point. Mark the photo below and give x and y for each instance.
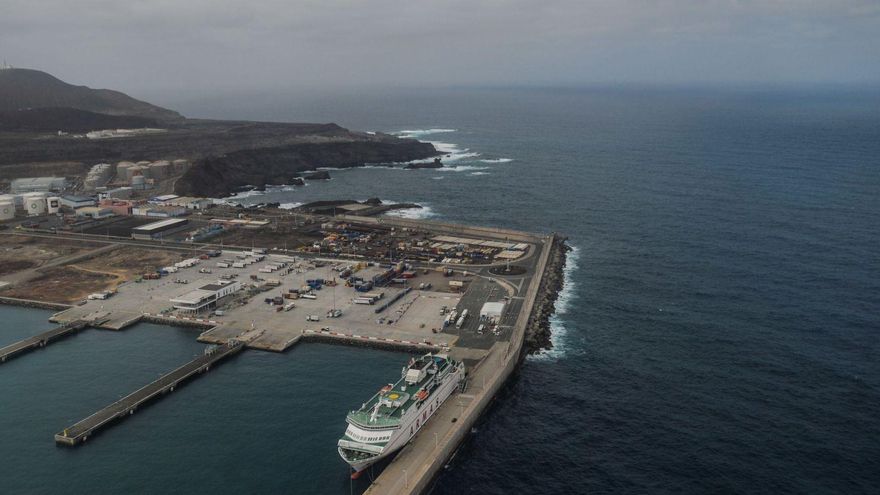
(35, 204)
(7, 210)
(138, 182)
(53, 205)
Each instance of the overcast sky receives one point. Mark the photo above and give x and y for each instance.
(257, 44)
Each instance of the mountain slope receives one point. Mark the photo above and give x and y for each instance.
(27, 88)
(66, 119)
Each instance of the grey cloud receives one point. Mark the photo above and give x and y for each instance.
(164, 44)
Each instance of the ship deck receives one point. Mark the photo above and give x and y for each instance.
(400, 394)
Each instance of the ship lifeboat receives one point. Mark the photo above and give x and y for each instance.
(385, 389)
(422, 394)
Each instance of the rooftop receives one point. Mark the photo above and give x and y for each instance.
(162, 224)
(216, 286)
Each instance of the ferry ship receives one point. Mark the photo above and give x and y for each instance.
(399, 410)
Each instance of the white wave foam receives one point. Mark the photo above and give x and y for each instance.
(289, 206)
(415, 133)
(479, 173)
(461, 168)
(233, 198)
(413, 213)
(558, 330)
(439, 177)
(497, 160)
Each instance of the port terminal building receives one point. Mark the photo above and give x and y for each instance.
(205, 297)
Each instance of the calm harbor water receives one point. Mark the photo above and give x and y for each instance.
(250, 425)
(718, 331)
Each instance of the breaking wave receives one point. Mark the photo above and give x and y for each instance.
(413, 213)
(416, 133)
(558, 329)
(289, 206)
(461, 168)
(497, 160)
(479, 173)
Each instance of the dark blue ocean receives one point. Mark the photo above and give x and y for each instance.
(718, 332)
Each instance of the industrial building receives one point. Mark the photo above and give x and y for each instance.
(118, 206)
(205, 297)
(117, 193)
(157, 230)
(190, 203)
(75, 202)
(37, 184)
(159, 211)
(94, 212)
(492, 310)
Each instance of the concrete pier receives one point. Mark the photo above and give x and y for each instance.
(40, 340)
(81, 431)
(419, 462)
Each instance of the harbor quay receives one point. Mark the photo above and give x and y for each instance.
(475, 315)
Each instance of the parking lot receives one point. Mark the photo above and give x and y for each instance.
(415, 316)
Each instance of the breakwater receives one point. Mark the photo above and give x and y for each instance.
(538, 331)
(30, 303)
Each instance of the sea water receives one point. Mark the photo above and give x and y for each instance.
(718, 330)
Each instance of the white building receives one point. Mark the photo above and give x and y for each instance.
(205, 297)
(37, 184)
(94, 212)
(492, 310)
(75, 202)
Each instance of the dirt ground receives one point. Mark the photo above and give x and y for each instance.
(266, 237)
(128, 262)
(74, 282)
(20, 252)
(65, 284)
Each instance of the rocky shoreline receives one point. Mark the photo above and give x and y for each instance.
(538, 331)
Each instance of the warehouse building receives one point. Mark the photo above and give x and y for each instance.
(75, 202)
(158, 230)
(159, 211)
(94, 212)
(205, 297)
(492, 310)
(37, 184)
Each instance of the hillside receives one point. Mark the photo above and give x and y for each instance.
(67, 120)
(225, 155)
(27, 88)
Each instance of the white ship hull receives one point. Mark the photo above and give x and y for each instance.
(412, 421)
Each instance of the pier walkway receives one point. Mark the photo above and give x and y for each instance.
(81, 431)
(40, 340)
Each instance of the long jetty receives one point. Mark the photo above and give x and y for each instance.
(81, 431)
(40, 340)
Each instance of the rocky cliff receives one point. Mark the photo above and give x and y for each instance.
(226, 154)
(221, 175)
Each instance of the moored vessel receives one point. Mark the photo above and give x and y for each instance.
(399, 410)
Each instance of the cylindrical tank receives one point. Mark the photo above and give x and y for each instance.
(160, 169)
(180, 166)
(7, 210)
(138, 182)
(121, 169)
(54, 205)
(35, 205)
(132, 171)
